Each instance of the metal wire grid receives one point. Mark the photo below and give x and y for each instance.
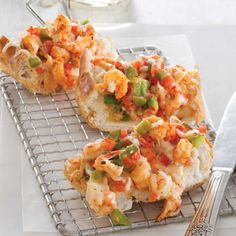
(51, 130)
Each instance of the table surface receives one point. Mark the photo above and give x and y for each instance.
(213, 46)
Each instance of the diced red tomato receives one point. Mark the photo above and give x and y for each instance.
(150, 154)
(109, 144)
(123, 133)
(34, 30)
(153, 197)
(130, 161)
(135, 156)
(164, 159)
(153, 80)
(74, 29)
(127, 102)
(181, 128)
(144, 142)
(188, 96)
(138, 63)
(119, 66)
(202, 129)
(167, 82)
(119, 185)
(39, 69)
(160, 112)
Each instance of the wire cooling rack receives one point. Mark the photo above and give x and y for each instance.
(51, 130)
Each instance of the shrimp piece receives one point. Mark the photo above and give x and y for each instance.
(141, 174)
(105, 63)
(74, 172)
(172, 203)
(58, 72)
(93, 150)
(162, 186)
(100, 198)
(159, 128)
(60, 54)
(182, 152)
(102, 163)
(114, 81)
(31, 43)
(62, 25)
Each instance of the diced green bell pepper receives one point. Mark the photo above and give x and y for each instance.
(144, 86)
(43, 34)
(152, 102)
(139, 101)
(85, 21)
(119, 218)
(161, 74)
(197, 140)
(97, 175)
(34, 61)
(137, 89)
(110, 99)
(131, 72)
(115, 135)
(143, 127)
(128, 150)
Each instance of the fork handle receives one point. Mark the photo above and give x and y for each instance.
(204, 220)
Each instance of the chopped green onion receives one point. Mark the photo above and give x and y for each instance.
(110, 99)
(34, 61)
(131, 149)
(143, 127)
(115, 135)
(131, 72)
(85, 21)
(139, 101)
(197, 140)
(144, 86)
(97, 175)
(43, 34)
(137, 89)
(161, 74)
(119, 218)
(152, 102)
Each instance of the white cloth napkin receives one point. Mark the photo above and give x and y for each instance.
(36, 217)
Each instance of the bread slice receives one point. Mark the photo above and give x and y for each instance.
(99, 115)
(148, 165)
(47, 59)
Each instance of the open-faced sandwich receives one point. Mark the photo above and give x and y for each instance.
(48, 58)
(114, 94)
(159, 160)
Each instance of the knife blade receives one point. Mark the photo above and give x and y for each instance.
(204, 220)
